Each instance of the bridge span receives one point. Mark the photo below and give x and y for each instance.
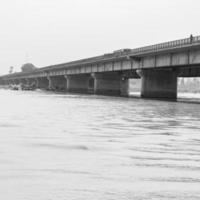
(158, 66)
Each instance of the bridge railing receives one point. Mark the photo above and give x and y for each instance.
(171, 44)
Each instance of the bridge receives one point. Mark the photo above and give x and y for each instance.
(158, 66)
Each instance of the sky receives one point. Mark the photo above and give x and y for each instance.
(47, 32)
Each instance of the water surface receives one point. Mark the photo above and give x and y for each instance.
(70, 146)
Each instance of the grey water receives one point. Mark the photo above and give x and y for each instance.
(71, 146)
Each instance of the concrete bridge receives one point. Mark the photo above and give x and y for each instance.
(158, 66)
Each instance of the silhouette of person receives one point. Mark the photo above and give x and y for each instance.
(191, 38)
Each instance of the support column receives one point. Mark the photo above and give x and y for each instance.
(78, 83)
(111, 84)
(124, 87)
(43, 83)
(58, 83)
(158, 83)
(36, 83)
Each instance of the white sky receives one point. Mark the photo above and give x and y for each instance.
(46, 32)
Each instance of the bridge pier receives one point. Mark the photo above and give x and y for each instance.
(57, 83)
(111, 84)
(158, 83)
(78, 83)
(124, 87)
(42, 83)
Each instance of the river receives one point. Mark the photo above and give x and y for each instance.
(82, 147)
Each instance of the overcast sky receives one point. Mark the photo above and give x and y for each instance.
(46, 32)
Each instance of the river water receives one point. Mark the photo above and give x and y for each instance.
(82, 147)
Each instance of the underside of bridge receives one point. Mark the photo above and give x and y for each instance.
(32, 82)
(42, 83)
(58, 83)
(159, 83)
(111, 84)
(78, 83)
(22, 81)
(193, 71)
(16, 81)
(156, 83)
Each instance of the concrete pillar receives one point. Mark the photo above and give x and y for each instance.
(43, 83)
(124, 87)
(111, 84)
(36, 82)
(91, 85)
(78, 83)
(57, 83)
(158, 83)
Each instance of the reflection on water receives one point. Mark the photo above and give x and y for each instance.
(64, 146)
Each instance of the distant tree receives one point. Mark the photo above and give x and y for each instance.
(11, 70)
(28, 67)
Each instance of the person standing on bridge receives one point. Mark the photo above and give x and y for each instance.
(191, 38)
